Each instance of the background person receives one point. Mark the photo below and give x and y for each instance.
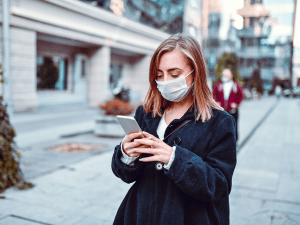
(193, 185)
(229, 94)
(278, 91)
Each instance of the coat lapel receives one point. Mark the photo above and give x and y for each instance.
(151, 123)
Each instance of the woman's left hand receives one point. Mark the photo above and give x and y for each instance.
(160, 150)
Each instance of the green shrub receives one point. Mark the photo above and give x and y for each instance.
(10, 173)
(230, 61)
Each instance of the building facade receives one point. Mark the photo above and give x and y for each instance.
(77, 45)
(271, 59)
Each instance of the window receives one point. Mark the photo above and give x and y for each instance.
(192, 31)
(252, 21)
(251, 42)
(51, 73)
(83, 68)
(250, 62)
(241, 63)
(256, 1)
(115, 79)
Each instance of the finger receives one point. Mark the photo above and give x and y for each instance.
(146, 150)
(152, 137)
(148, 142)
(132, 153)
(131, 136)
(133, 144)
(149, 159)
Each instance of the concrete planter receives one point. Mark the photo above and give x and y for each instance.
(108, 126)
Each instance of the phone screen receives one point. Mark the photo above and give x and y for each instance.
(129, 124)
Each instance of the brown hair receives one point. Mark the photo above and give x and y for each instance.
(203, 98)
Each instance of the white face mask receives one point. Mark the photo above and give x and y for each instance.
(174, 90)
(225, 79)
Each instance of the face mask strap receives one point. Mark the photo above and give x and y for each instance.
(189, 74)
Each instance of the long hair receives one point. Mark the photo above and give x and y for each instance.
(203, 98)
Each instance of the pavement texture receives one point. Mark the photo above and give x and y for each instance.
(80, 188)
(266, 182)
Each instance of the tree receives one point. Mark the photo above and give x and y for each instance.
(10, 173)
(256, 81)
(230, 61)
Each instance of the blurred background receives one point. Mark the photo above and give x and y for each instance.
(69, 66)
(85, 52)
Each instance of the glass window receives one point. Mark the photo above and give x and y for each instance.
(51, 73)
(250, 62)
(83, 68)
(192, 31)
(163, 15)
(115, 79)
(241, 63)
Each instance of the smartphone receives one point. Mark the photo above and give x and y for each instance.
(129, 124)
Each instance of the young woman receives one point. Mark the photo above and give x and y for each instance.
(181, 177)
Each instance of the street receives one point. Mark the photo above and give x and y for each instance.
(80, 188)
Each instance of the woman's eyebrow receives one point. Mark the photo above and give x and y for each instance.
(170, 70)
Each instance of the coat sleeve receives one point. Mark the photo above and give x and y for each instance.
(125, 172)
(207, 179)
(216, 94)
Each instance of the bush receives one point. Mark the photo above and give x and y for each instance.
(230, 61)
(10, 173)
(117, 107)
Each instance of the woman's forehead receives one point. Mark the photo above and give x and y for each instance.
(172, 59)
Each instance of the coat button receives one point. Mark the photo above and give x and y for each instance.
(159, 166)
(177, 140)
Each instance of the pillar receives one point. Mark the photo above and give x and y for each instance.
(98, 80)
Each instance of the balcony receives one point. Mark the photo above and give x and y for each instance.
(252, 32)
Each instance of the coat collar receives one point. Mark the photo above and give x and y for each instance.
(152, 123)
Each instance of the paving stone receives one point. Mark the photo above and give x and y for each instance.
(266, 182)
(13, 221)
(85, 191)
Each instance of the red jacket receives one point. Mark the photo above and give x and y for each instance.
(236, 95)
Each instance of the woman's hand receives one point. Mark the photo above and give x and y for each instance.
(160, 150)
(233, 105)
(128, 144)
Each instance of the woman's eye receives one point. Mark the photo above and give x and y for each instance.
(159, 76)
(174, 75)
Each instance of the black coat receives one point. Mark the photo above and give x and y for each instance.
(195, 190)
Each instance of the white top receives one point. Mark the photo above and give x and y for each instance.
(227, 89)
(161, 129)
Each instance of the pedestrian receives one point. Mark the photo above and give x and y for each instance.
(229, 94)
(182, 168)
(278, 91)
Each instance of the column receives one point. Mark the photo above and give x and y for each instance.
(98, 79)
(138, 80)
(23, 69)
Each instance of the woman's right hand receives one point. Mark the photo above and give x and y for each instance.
(128, 144)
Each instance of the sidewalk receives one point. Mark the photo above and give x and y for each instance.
(266, 182)
(85, 191)
(52, 123)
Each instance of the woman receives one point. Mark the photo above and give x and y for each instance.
(193, 185)
(229, 94)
